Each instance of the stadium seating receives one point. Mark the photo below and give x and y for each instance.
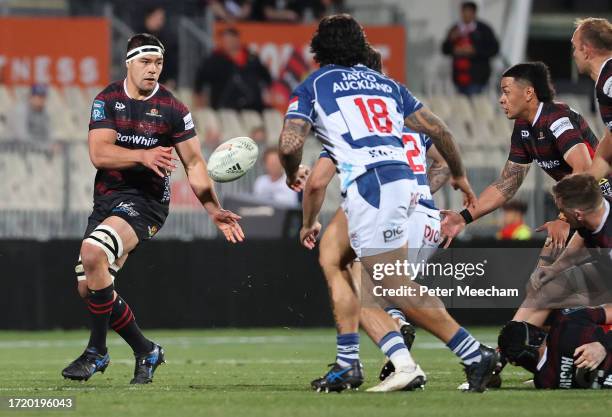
(482, 130)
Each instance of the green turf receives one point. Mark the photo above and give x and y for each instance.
(262, 372)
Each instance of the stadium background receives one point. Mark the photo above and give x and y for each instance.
(76, 47)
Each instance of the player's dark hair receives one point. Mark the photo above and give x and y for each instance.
(537, 75)
(141, 39)
(597, 32)
(373, 59)
(469, 5)
(578, 191)
(339, 40)
(519, 341)
(515, 205)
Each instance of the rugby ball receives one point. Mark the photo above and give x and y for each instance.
(232, 159)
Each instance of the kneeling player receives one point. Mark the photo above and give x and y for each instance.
(135, 124)
(575, 353)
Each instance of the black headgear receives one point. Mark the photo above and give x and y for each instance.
(519, 341)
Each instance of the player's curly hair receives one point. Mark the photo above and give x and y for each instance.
(339, 40)
(373, 59)
(537, 75)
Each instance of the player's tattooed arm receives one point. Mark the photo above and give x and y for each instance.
(291, 143)
(438, 172)
(424, 121)
(438, 175)
(510, 179)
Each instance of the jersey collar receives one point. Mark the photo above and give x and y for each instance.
(601, 69)
(144, 99)
(604, 218)
(537, 116)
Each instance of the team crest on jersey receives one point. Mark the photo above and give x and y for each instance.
(152, 230)
(154, 112)
(97, 111)
(119, 106)
(607, 87)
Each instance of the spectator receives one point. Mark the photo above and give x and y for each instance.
(233, 76)
(514, 227)
(472, 44)
(290, 11)
(259, 135)
(271, 186)
(29, 120)
(155, 24)
(231, 10)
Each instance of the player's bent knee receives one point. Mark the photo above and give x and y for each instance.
(104, 241)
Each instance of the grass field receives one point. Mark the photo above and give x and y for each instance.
(262, 372)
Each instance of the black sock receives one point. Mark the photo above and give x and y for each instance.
(124, 323)
(100, 306)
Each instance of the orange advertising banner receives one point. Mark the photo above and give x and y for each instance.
(285, 50)
(60, 51)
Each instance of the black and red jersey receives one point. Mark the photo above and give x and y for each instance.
(571, 328)
(556, 129)
(603, 92)
(158, 120)
(602, 236)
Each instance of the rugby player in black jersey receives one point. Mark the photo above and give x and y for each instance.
(135, 125)
(550, 133)
(575, 352)
(592, 45)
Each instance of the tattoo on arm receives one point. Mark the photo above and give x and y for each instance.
(438, 175)
(511, 178)
(424, 121)
(291, 142)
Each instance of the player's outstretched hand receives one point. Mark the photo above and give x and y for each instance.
(452, 224)
(227, 222)
(159, 159)
(589, 355)
(308, 235)
(462, 184)
(558, 231)
(541, 276)
(298, 181)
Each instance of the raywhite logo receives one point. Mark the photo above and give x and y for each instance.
(524, 133)
(549, 164)
(561, 125)
(188, 121)
(119, 106)
(136, 140)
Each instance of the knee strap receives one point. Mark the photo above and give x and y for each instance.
(107, 239)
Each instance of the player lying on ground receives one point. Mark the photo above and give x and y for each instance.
(135, 124)
(575, 352)
(553, 135)
(335, 255)
(358, 115)
(592, 45)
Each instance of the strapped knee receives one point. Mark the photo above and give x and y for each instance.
(107, 239)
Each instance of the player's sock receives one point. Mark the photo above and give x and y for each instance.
(122, 321)
(348, 349)
(397, 314)
(393, 346)
(465, 347)
(100, 306)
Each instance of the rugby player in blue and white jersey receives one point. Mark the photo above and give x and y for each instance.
(358, 115)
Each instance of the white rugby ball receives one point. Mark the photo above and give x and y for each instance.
(232, 159)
